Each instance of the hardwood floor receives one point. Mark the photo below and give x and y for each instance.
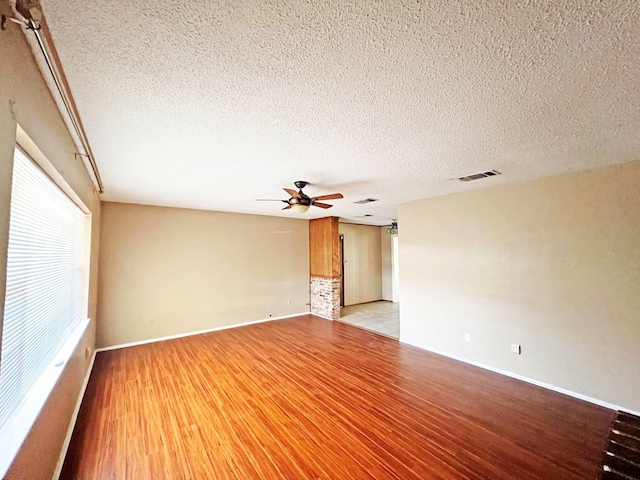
(310, 398)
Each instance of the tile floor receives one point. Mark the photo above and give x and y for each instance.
(381, 317)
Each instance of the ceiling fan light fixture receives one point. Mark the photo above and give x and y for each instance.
(299, 202)
(299, 208)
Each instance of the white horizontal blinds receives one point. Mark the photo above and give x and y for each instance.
(44, 280)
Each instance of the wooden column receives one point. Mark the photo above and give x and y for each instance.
(324, 258)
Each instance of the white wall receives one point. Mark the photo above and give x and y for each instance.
(167, 271)
(552, 264)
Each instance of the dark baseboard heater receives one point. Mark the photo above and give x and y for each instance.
(621, 458)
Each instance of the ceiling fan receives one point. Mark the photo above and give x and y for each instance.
(300, 202)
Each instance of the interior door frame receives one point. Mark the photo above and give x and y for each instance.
(341, 270)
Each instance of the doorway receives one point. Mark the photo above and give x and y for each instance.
(395, 275)
(341, 270)
(369, 278)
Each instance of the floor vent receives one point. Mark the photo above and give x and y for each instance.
(478, 176)
(621, 458)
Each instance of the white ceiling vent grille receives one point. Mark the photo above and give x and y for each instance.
(478, 176)
(367, 200)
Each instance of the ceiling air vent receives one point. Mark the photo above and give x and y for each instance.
(478, 176)
(367, 200)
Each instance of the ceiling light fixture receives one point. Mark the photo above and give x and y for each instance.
(393, 228)
(299, 208)
(300, 202)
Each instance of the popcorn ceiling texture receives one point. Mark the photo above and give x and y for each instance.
(213, 104)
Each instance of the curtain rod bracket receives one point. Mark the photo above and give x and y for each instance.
(28, 24)
(29, 15)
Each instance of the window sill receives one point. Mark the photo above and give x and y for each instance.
(17, 427)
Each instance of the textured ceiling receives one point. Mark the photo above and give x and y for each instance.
(211, 105)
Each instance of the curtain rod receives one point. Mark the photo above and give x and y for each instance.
(30, 24)
(67, 103)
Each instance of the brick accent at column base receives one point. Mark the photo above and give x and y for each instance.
(325, 297)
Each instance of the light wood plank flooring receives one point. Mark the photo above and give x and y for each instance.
(310, 398)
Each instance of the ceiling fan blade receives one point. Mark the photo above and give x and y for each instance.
(291, 192)
(331, 196)
(287, 207)
(321, 205)
(270, 200)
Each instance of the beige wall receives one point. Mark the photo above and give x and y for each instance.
(167, 271)
(552, 264)
(362, 263)
(386, 265)
(25, 99)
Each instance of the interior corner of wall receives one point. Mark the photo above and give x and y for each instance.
(12, 110)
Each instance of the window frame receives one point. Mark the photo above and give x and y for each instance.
(17, 427)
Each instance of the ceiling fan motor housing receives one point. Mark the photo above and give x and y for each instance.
(303, 200)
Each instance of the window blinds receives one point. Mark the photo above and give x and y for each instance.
(44, 281)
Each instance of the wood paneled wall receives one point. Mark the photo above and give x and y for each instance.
(324, 247)
(362, 263)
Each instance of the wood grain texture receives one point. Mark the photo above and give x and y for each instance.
(309, 398)
(362, 263)
(324, 247)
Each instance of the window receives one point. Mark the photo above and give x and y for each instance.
(45, 297)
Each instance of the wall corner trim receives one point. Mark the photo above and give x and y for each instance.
(532, 381)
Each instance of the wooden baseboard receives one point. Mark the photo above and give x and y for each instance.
(196, 332)
(546, 385)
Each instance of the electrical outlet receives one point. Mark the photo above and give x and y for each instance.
(467, 337)
(515, 348)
